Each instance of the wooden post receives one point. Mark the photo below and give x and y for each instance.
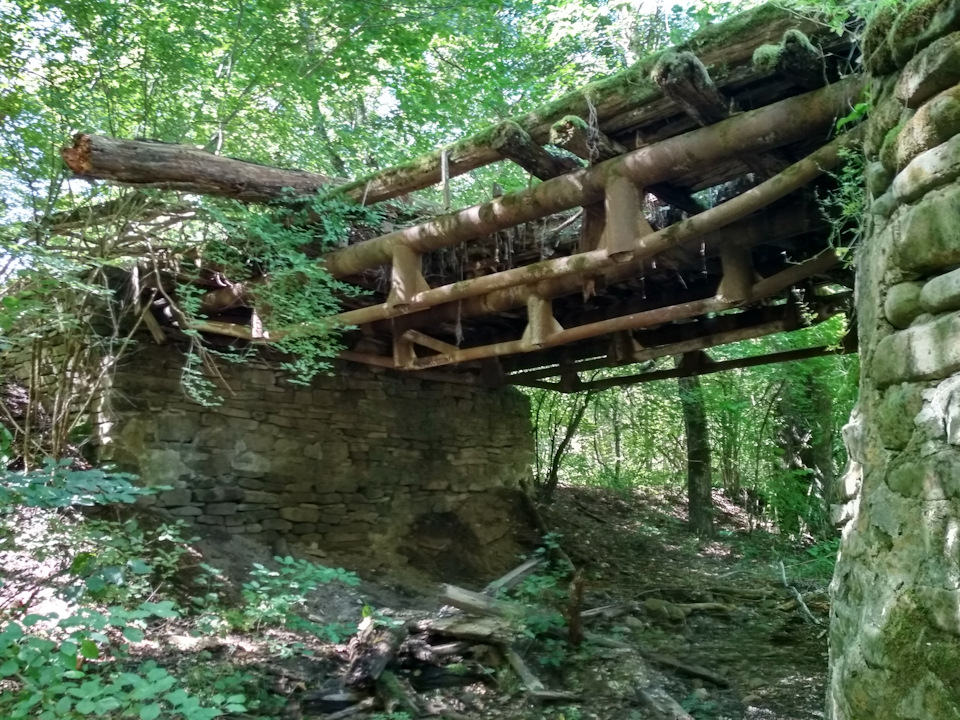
(625, 221)
(738, 275)
(406, 277)
(541, 324)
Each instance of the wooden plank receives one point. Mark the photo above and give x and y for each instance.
(515, 144)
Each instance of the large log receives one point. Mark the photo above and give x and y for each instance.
(167, 166)
(763, 129)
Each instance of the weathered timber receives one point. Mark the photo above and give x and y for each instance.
(738, 275)
(765, 288)
(371, 651)
(688, 669)
(552, 278)
(483, 605)
(758, 130)
(795, 58)
(576, 135)
(619, 102)
(514, 577)
(685, 80)
(515, 144)
(493, 630)
(167, 166)
(714, 367)
(395, 696)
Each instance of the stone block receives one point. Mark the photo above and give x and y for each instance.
(260, 497)
(942, 293)
(276, 524)
(902, 304)
(302, 514)
(927, 171)
(209, 520)
(173, 498)
(186, 511)
(253, 528)
(933, 124)
(303, 528)
(248, 483)
(895, 414)
(928, 237)
(917, 26)
(933, 70)
(923, 352)
(226, 508)
(220, 494)
(877, 178)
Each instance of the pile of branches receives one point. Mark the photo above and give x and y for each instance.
(392, 666)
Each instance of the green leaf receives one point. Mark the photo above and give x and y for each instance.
(150, 712)
(63, 705)
(89, 650)
(86, 707)
(133, 634)
(139, 567)
(10, 667)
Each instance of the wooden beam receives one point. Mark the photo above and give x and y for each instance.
(516, 145)
(760, 130)
(801, 61)
(771, 286)
(552, 278)
(576, 135)
(626, 224)
(685, 80)
(706, 368)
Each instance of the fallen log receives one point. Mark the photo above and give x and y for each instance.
(373, 648)
(514, 577)
(694, 671)
(168, 166)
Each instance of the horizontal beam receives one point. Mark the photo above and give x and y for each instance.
(701, 369)
(561, 276)
(759, 130)
(659, 316)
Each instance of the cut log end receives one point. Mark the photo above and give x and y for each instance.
(77, 156)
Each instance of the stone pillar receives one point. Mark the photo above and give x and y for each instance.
(364, 461)
(895, 631)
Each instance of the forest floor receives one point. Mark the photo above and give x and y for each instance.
(708, 624)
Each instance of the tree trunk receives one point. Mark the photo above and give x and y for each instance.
(148, 163)
(549, 486)
(699, 476)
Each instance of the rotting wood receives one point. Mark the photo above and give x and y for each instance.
(720, 366)
(514, 577)
(688, 669)
(483, 605)
(765, 288)
(167, 166)
(505, 290)
(685, 80)
(576, 135)
(801, 61)
(372, 649)
(574, 609)
(515, 144)
(394, 695)
(495, 630)
(755, 131)
(661, 704)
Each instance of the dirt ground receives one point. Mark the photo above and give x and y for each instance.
(709, 623)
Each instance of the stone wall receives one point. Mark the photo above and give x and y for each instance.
(895, 633)
(364, 460)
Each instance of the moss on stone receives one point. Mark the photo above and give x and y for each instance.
(876, 48)
(888, 148)
(765, 58)
(922, 22)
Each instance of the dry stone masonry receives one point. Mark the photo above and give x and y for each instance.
(895, 636)
(365, 460)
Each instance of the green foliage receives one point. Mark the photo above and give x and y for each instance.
(272, 596)
(844, 207)
(58, 484)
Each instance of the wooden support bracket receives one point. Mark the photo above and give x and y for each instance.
(541, 323)
(738, 275)
(406, 277)
(515, 144)
(623, 348)
(626, 224)
(576, 135)
(419, 338)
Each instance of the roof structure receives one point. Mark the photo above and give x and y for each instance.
(674, 210)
